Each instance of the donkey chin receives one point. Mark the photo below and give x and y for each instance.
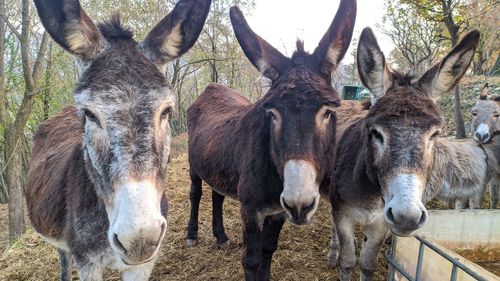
(404, 211)
(300, 196)
(137, 226)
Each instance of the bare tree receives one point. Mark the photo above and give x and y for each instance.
(32, 68)
(416, 38)
(447, 13)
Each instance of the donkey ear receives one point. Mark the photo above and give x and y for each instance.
(445, 76)
(70, 27)
(176, 33)
(372, 68)
(334, 44)
(484, 92)
(269, 61)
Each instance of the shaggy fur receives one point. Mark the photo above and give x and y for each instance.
(242, 150)
(389, 157)
(97, 171)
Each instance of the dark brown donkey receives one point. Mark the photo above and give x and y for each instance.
(97, 171)
(385, 152)
(273, 155)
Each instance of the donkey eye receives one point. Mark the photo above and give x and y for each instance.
(273, 116)
(474, 114)
(91, 117)
(166, 113)
(435, 135)
(377, 135)
(495, 115)
(327, 114)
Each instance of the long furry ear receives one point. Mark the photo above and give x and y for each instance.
(269, 61)
(177, 32)
(444, 76)
(372, 68)
(334, 44)
(484, 92)
(68, 24)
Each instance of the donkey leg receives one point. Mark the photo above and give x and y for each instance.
(476, 200)
(333, 252)
(65, 259)
(270, 236)
(460, 203)
(375, 234)
(218, 220)
(347, 255)
(194, 198)
(494, 192)
(252, 243)
(138, 272)
(89, 271)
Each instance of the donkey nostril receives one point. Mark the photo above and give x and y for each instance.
(486, 137)
(163, 228)
(423, 219)
(287, 206)
(309, 207)
(478, 136)
(390, 215)
(119, 244)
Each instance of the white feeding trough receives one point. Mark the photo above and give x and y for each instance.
(428, 255)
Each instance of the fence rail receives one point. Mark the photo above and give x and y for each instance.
(394, 266)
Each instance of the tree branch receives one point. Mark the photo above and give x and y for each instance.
(11, 27)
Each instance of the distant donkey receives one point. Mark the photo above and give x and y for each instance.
(385, 152)
(274, 155)
(97, 171)
(485, 127)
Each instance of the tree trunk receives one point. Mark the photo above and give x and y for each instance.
(4, 116)
(453, 29)
(46, 88)
(15, 188)
(458, 115)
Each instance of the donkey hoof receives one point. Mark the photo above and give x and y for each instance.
(191, 242)
(331, 260)
(223, 245)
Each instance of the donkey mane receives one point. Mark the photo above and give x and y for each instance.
(112, 29)
(401, 79)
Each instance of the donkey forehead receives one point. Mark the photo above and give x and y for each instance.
(124, 99)
(122, 64)
(302, 95)
(486, 106)
(405, 105)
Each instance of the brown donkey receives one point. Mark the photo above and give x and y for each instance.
(385, 152)
(273, 156)
(97, 171)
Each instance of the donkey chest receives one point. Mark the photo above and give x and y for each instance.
(365, 216)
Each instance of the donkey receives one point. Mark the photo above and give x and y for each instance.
(385, 152)
(485, 126)
(97, 171)
(461, 170)
(274, 155)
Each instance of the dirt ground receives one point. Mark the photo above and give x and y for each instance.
(301, 254)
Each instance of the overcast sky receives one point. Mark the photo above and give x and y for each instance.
(281, 22)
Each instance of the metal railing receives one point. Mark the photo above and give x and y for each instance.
(424, 243)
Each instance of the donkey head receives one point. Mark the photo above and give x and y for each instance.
(485, 123)
(401, 126)
(299, 108)
(124, 102)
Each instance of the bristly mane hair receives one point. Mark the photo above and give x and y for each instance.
(401, 79)
(300, 55)
(112, 29)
